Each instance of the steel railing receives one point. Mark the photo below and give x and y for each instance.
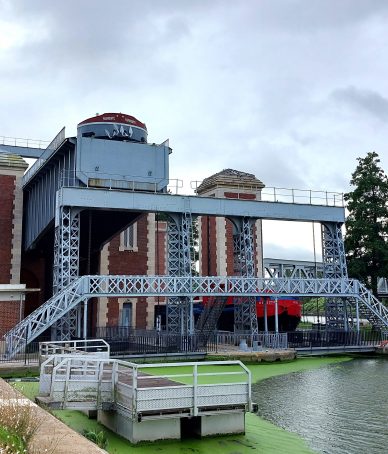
(141, 390)
(175, 186)
(141, 286)
(81, 346)
(22, 142)
(282, 195)
(327, 338)
(68, 179)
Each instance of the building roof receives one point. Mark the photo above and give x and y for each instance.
(14, 161)
(230, 178)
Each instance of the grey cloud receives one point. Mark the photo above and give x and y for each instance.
(369, 101)
(303, 16)
(233, 84)
(93, 42)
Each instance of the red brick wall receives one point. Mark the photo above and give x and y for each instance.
(7, 188)
(209, 246)
(239, 195)
(161, 240)
(9, 311)
(129, 262)
(229, 249)
(33, 274)
(229, 232)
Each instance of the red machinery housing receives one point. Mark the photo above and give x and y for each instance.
(289, 313)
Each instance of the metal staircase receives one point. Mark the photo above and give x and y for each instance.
(372, 309)
(207, 321)
(44, 317)
(181, 286)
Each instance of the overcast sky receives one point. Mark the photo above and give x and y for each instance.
(290, 90)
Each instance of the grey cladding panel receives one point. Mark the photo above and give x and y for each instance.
(99, 159)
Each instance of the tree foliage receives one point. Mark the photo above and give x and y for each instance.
(367, 222)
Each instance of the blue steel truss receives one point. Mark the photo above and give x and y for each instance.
(179, 248)
(245, 318)
(171, 286)
(43, 195)
(337, 310)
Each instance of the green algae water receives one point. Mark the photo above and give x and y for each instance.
(261, 436)
(342, 408)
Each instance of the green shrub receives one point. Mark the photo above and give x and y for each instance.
(97, 437)
(11, 442)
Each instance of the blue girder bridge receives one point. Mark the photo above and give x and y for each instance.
(79, 183)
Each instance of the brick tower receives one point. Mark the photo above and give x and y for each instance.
(12, 168)
(216, 233)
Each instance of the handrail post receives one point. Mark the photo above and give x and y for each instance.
(134, 391)
(195, 390)
(114, 380)
(67, 379)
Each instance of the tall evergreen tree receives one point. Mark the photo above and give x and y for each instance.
(367, 224)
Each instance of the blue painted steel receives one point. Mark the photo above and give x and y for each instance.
(48, 153)
(144, 165)
(147, 202)
(24, 152)
(40, 192)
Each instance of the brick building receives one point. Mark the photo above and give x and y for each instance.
(141, 249)
(11, 211)
(216, 233)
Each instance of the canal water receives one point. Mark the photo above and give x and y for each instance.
(338, 409)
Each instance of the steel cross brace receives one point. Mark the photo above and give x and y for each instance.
(337, 310)
(172, 286)
(66, 266)
(245, 317)
(179, 310)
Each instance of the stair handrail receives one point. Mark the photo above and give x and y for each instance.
(32, 326)
(87, 286)
(367, 297)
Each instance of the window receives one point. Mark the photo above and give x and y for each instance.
(126, 314)
(128, 238)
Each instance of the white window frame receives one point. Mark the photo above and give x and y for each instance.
(124, 246)
(130, 319)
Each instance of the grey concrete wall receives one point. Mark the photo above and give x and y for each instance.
(146, 430)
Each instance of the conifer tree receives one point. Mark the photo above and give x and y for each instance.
(367, 223)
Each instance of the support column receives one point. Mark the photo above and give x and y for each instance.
(334, 267)
(245, 317)
(276, 316)
(66, 266)
(179, 310)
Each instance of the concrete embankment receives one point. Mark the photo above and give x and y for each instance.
(264, 356)
(383, 349)
(52, 435)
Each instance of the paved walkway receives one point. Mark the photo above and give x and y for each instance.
(52, 434)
